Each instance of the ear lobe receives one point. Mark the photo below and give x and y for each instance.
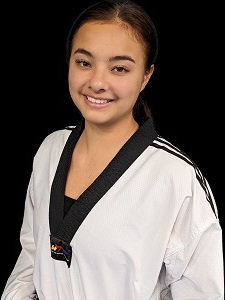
(147, 76)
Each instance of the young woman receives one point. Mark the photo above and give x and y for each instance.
(113, 210)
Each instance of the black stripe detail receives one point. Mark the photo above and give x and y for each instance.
(182, 155)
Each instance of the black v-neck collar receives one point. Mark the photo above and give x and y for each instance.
(64, 228)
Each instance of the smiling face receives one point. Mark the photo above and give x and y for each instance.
(106, 72)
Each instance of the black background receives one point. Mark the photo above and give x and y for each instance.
(185, 94)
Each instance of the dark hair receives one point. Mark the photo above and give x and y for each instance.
(128, 13)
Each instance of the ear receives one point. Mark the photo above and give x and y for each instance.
(147, 76)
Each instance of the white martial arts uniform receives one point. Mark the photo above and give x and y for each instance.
(146, 229)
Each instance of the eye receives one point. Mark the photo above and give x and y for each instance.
(120, 69)
(82, 63)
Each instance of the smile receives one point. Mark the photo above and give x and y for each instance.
(98, 101)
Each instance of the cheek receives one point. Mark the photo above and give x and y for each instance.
(74, 81)
(130, 88)
(128, 94)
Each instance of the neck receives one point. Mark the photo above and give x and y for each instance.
(104, 137)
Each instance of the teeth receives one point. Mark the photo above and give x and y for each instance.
(98, 101)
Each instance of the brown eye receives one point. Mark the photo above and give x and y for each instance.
(120, 69)
(82, 63)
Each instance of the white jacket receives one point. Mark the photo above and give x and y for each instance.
(152, 231)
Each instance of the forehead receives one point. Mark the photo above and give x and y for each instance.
(112, 37)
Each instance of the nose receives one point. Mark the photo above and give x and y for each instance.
(98, 81)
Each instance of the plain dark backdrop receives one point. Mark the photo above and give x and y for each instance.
(185, 94)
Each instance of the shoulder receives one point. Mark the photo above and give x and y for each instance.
(177, 167)
(53, 143)
(170, 155)
(57, 138)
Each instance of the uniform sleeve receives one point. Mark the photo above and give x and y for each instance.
(19, 285)
(194, 259)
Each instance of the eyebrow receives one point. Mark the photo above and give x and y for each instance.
(114, 58)
(83, 51)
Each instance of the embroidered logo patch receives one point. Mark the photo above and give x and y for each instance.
(60, 250)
